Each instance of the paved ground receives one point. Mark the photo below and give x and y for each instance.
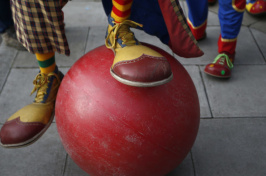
(231, 139)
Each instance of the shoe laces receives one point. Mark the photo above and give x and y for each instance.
(226, 58)
(40, 83)
(121, 31)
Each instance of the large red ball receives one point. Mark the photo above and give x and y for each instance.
(109, 128)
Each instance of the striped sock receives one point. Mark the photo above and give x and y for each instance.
(46, 62)
(121, 10)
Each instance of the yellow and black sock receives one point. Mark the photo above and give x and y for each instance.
(121, 10)
(46, 62)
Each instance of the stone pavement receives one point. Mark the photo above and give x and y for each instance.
(231, 139)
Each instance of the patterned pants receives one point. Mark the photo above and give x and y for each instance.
(39, 25)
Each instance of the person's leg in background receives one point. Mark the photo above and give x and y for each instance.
(134, 64)
(230, 16)
(197, 17)
(256, 7)
(7, 30)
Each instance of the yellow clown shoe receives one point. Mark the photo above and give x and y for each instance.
(135, 64)
(29, 123)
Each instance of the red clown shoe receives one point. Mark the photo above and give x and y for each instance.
(257, 8)
(221, 66)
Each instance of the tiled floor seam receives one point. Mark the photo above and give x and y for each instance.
(87, 39)
(257, 44)
(65, 165)
(236, 64)
(205, 91)
(228, 118)
(193, 163)
(1, 88)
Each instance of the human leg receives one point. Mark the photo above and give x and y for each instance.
(197, 17)
(134, 64)
(30, 122)
(230, 16)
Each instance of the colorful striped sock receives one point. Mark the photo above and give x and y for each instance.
(121, 10)
(46, 62)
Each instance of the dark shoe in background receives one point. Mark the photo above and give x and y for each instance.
(10, 39)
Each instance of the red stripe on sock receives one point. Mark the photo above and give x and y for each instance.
(121, 13)
(123, 2)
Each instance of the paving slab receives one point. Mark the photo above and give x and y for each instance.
(260, 25)
(213, 19)
(247, 51)
(214, 8)
(195, 74)
(84, 14)
(186, 168)
(260, 39)
(77, 38)
(233, 147)
(243, 95)
(7, 56)
(96, 37)
(46, 157)
(248, 19)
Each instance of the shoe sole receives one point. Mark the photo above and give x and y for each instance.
(216, 75)
(33, 139)
(141, 84)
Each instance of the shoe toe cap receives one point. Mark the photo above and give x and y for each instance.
(217, 70)
(16, 132)
(143, 69)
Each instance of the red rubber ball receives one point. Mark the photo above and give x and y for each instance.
(109, 128)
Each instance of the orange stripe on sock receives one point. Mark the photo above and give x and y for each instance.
(43, 57)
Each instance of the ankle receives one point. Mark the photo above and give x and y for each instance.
(230, 55)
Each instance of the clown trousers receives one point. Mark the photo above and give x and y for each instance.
(230, 16)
